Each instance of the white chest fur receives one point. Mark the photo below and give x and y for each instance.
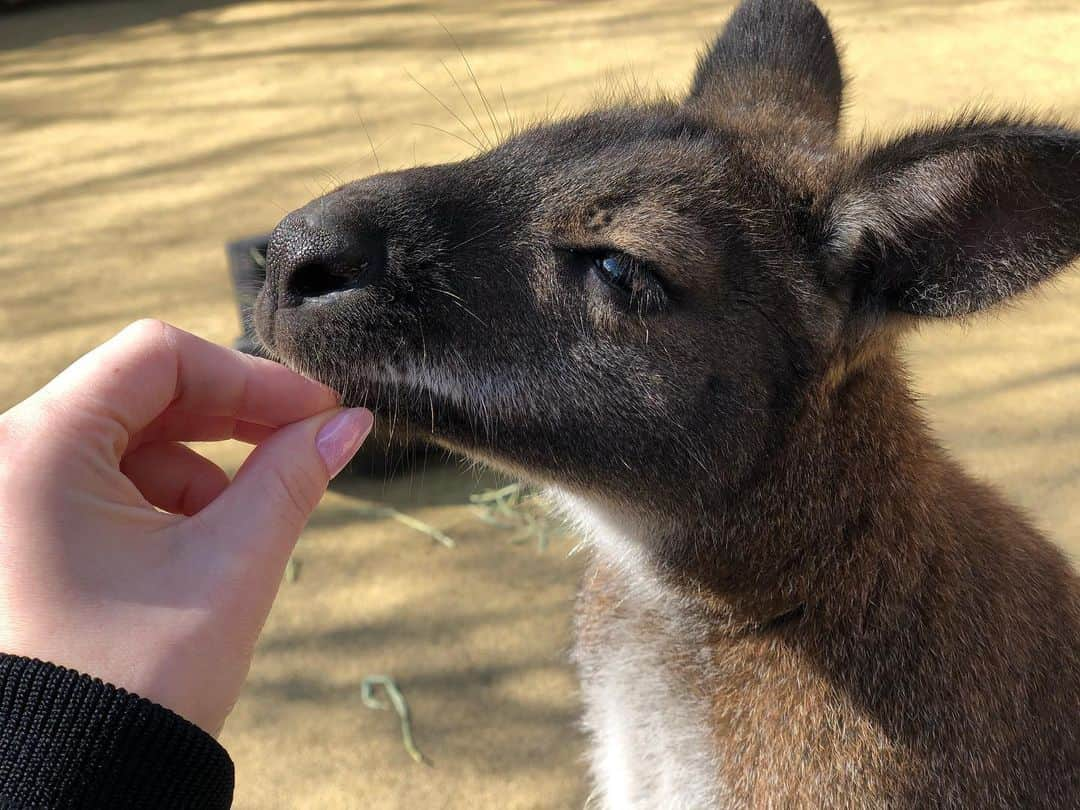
(650, 742)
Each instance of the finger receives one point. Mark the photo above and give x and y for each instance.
(174, 477)
(261, 514)
(183, 426)
(150, 366)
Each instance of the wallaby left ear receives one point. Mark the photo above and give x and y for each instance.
(774, 70)
(950, 220)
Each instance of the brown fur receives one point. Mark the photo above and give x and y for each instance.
(936, 645)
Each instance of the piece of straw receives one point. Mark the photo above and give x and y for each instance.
(397, 702)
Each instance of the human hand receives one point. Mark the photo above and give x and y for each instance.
(165, 604)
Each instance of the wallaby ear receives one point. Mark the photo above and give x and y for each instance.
(949, 220)
(774, 64)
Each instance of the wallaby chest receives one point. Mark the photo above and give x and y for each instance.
(684, 715)
(644, 705)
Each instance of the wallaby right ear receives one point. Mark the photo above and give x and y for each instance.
(949, 220)
(775, 67)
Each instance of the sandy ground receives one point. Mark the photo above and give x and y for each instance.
(136, 138)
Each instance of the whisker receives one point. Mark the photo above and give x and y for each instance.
(446, 107)
(371, 143)
(468, 143)
(472, 75)
(468, 103)
(509, 116)
(461, 304)
(473, 238)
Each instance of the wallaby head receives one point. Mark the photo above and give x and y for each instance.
(636, 303)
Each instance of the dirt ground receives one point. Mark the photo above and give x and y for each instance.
(137, 137)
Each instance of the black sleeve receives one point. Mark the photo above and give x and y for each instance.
(70, 741)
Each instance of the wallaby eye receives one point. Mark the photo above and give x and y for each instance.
(626, 281)
(617, 269)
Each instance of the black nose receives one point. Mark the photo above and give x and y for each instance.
(313, 257)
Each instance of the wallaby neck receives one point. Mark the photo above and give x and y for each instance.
(851, 508)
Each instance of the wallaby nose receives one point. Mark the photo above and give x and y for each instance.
(314, 258)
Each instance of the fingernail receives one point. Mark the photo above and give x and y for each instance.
(340, 438)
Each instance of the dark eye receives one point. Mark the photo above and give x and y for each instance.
(627, 281)
(619, 279)
(617, 269)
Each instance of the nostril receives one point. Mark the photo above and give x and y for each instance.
(315, 256)
(315, 279)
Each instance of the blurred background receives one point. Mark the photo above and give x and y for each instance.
(137, 138)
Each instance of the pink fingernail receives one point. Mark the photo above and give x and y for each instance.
(341, 437)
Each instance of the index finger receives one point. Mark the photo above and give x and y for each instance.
(150, 366)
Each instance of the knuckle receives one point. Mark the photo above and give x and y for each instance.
(295, 492)
(148, 335)
(147, 328)
(151, 340)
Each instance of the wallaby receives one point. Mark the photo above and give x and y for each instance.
(681, 318)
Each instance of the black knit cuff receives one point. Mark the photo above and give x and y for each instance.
(70, 741)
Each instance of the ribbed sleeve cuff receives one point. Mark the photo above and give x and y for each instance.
(70, 741)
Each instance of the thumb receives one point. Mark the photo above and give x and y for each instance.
(279, 485)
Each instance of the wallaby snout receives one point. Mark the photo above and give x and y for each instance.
(353, 258)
